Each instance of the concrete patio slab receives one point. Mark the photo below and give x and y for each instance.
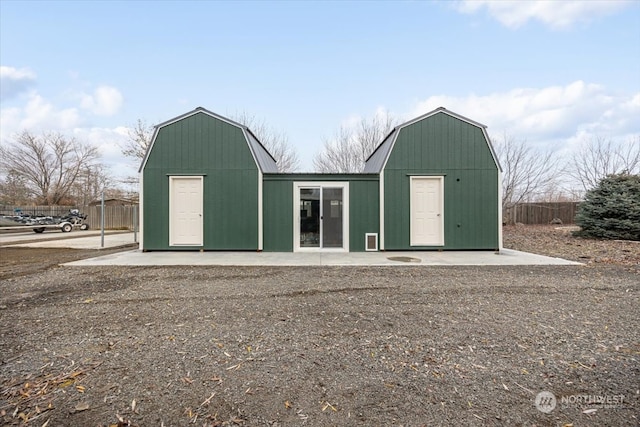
(86, 240)
(504, 257)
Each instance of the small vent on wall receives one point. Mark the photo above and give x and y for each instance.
(371, 241)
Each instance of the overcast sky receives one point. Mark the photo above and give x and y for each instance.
(552, 73)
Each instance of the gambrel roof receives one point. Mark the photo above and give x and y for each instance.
(264, 160)
(376, 162)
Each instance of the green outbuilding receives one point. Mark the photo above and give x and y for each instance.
(207, 183)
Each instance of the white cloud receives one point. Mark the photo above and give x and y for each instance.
(105, 101)
(353, 121)
(39, 115)
(109, 142)
(556, 14)
(36, 115)
(540, 115)
(14, 81)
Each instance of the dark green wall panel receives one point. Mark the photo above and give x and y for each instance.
(278, 208)
(203, 145)
(444, 145)
(278, 216)
(364, 212)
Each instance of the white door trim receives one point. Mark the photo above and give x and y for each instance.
(439, 239)
(198, 240)
(297, 185)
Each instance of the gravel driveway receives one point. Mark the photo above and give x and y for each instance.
(412, 346)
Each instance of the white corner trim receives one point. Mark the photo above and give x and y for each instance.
(141, 210)
(500, 247)
(381, 201)
(260, 211)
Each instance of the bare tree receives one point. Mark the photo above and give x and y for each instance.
(91, 181)
(14, 190)
(350, 147)
(276, 143)
(526, 173)
(49, 164)
(139, 139)
(599, 157)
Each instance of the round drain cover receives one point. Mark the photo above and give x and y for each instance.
(403, 259)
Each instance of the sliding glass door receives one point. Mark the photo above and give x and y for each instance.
(321, 221)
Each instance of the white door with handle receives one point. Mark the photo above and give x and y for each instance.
(185, 211)
(427, 211)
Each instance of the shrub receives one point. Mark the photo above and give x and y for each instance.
(611, 210)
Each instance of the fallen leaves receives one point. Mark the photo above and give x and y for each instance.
(327, 405)
(34, 396)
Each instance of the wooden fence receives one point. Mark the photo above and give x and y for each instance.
(115, 217)
(126, 217)
(541, 213)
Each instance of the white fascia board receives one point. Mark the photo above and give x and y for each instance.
(149, 148)
(445, 111)
(393, 144)
(254, 155)
(493, 153)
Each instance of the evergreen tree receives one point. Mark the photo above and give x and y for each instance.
(612, 209)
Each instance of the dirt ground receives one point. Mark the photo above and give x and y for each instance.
(339, 346)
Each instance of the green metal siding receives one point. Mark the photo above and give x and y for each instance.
(277, 215)
(278, 208)
(364, 212)
(444, 145)
(203, 145)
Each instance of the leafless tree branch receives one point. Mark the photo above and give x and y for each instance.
(349, 148)
(276, 142)
(139, 139)
(527, 173)
(47, 165)
(599, 157)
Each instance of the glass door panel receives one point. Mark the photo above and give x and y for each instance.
(332, 217)
(310, 217)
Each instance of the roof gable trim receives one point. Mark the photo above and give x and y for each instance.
(211, 114)
(438, 110)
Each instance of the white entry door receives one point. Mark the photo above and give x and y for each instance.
(427, 216)
(185, 211)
